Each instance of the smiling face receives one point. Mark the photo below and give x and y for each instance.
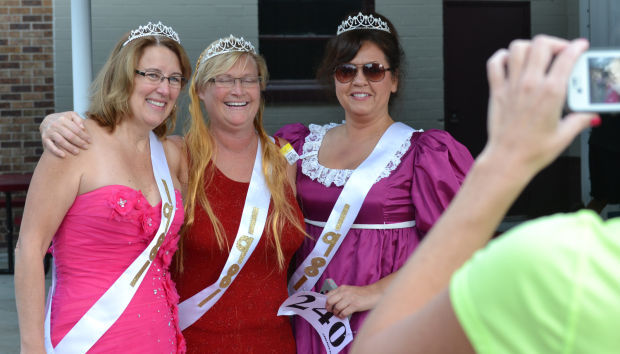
(364, 99)
(233, 107)
(151, 102)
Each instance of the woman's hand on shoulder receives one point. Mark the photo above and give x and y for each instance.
(62, 132)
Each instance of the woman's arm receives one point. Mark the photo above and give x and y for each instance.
(53, 188)
(62, 132)
(527, 90)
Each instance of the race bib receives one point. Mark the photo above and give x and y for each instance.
(334, 332)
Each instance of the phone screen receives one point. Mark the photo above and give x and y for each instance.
(604, 73)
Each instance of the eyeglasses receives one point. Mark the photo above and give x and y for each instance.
(227, 81)
(155, 77)
(372, 71)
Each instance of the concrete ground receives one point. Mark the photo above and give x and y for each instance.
(9, 331)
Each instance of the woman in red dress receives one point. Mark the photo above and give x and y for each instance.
(228, 81)
(222, 152)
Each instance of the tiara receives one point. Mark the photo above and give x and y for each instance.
(361, 21)
(227, 45)
(151, 29)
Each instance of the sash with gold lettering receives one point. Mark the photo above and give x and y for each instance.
(104, 313)
(347, 207)
(253, 219)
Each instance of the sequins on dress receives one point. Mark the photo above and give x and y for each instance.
(101, 234)
(245, 319)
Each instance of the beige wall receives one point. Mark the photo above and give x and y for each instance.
(199, 22)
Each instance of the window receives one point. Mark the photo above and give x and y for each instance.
(292, 38)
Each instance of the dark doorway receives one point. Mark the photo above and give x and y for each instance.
(473, 31)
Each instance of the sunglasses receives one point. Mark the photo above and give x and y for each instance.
(372, 72)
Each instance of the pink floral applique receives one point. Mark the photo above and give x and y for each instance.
(148, 223)
(123, 202)
(167, 250)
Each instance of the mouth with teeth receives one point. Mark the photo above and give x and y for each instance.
(236, 104)
(156, 103)
(360, 95)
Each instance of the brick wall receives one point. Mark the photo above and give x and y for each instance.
(26, 80)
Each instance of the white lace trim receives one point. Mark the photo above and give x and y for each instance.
(311, 167)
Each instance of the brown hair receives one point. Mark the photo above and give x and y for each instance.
(114, 83)
(344, 47)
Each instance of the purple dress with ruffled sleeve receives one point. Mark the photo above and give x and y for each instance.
(417, 185)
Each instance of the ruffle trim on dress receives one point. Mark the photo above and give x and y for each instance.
(311, 167)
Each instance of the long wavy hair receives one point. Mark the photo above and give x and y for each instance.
(112, 88)
(201, 150)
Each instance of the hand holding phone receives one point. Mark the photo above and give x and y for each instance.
(594, 85)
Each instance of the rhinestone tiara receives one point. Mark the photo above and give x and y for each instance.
(361, 21)
(227, 45)
(151, 29)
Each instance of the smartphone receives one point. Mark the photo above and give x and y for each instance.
(594, 85)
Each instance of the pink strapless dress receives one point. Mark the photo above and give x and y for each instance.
(101, 234)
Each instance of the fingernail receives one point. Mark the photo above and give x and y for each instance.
(596, 121)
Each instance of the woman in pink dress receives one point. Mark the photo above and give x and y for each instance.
(363, 64)
(223, 141)
(101, 209)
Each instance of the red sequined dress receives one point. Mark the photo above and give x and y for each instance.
(245, 319)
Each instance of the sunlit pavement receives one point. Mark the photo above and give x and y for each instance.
(9, 331)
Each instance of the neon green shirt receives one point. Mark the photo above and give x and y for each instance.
(548, 286)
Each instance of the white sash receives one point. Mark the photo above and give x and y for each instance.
(104, 313)
(253, 219)
(347, 207)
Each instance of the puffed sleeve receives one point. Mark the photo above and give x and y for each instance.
(440, 164)
(295, 134)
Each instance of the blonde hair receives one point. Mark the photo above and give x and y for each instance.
(201, 147)
(112, 88)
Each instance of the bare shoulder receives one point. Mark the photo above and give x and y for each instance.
(176, 140)
(174, 146)
(52, 165)
(176, 154)
(58, 178)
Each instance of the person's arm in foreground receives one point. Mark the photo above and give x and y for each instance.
(526, 133)
(53, 189)
(64, 132)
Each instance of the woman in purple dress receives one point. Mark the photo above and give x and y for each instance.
(415, 182)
